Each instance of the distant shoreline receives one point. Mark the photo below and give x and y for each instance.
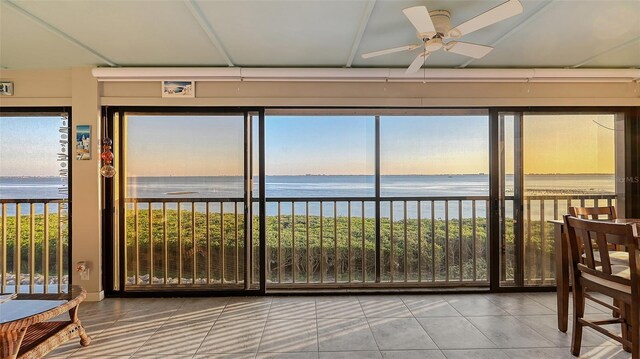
(344, 175)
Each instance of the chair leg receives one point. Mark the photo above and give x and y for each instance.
(617, 304)
(578, 313)
(634, 321)
(624, 326)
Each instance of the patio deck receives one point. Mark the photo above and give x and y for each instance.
(495, 326)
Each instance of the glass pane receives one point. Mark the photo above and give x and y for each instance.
(569, 160)
(34, 192)
(255, 237)
(436, 168)
(507, 191)
(316, 237)
(184, 184)
(320, 156)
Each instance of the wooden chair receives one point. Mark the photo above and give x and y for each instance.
(622, 283)
(617, 255)
(593, 212)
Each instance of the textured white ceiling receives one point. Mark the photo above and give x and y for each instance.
(306, 33)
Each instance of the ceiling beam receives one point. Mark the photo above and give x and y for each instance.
(364, 21)
(607, 51)
(516, 28)
(208, 29)
(54, 30)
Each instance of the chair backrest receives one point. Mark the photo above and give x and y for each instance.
(587, 236)
(593, 212)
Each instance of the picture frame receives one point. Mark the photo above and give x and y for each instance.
(6, 88)
(83, 142)
(178, 89)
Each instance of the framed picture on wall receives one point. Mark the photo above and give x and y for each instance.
(178, 88)
(6, 88)
(83, 142)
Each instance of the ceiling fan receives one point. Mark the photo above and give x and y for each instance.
(435, 26)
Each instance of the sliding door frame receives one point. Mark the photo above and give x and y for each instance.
(109, 280)
(53, 111)
(631, 119)
(632, 128)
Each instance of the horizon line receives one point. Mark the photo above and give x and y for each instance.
(343, 175)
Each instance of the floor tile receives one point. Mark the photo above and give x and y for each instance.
(122, 339)
(422, 306)
(233, 336)
(455, 333)
(539, 353)
(547, 326)
(201, 308)
(176, 338)
(223, 356)
(518, 304)
(606, 352)
(474, 305)
(433, 326)
(245, 308)
(307, 355)
(159, 356)
(400, 333)
(338, 307)
(293, 308)
(384, 307)
(412, 354)
(345, 334)
(509, 332)
(549, 300)
(351, 355)
(290, 335)
(475, 354)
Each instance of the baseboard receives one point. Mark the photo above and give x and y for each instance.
(95, 296)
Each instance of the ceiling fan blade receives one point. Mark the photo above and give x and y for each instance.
(498, 13)
(389, 51)
(417, 63)
(419, 17)
(468, 49)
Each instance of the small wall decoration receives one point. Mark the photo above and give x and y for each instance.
(83, 142)
(6, 88)
(178, 88)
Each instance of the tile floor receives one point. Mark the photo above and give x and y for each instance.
(494, 326)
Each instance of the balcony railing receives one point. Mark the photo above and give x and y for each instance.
(331, 242)
(311, 242)
(194, 242)
(538, 241)
(34, 246)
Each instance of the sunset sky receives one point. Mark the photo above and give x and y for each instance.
(208, 145)
(28, 146)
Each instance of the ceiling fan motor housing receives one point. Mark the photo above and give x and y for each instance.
(441, 22)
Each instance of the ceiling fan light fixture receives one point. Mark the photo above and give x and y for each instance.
(434, 44)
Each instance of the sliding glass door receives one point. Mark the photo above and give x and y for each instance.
(184, 188)
(377, 199)
(434, 187)
(34, 200)
(353, 198)
(550, 162)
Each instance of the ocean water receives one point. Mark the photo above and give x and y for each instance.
(325, 186)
